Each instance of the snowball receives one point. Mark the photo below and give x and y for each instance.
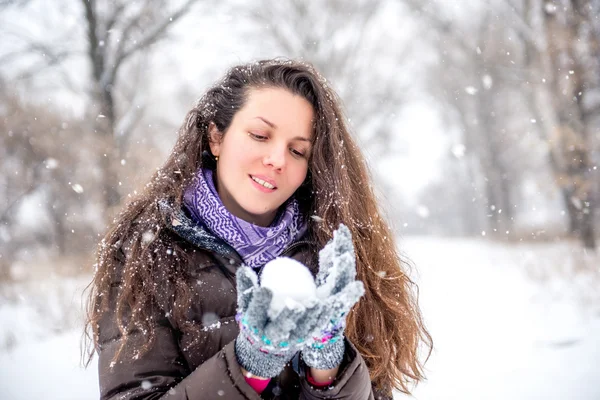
(290, 281)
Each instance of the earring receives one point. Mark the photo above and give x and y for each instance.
(216, 158)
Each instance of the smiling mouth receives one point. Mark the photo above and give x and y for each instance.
(263, 183)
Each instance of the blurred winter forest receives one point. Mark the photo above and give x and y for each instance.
(479, 119)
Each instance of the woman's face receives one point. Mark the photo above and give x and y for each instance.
(263, 155)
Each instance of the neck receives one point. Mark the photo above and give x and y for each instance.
(237, 210)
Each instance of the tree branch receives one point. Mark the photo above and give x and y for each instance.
(8, 210)
(18, 3)
(112, 20)
(521, 25)
(92, 32)
(441, 25)
(149, 39)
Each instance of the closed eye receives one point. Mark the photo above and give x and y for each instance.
(296, 153)
(260, 138)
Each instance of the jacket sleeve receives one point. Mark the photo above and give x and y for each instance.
(160, 374)
(352, 382)
(163, 372)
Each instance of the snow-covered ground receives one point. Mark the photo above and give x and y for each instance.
(509, 322)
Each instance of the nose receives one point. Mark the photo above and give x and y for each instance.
(275, 157)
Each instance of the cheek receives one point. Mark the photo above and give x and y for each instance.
(299, 175)
(244, 153)
(238, 156)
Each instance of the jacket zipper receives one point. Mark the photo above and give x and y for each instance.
(293, 246)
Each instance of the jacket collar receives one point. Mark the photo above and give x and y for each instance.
(178, 222)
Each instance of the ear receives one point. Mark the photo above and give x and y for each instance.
(214, 139)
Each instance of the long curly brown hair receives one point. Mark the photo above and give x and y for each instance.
(385, 326)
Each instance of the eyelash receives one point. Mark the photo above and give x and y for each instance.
(262, 138)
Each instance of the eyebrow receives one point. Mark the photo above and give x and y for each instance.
(266, 121)
(272, 125)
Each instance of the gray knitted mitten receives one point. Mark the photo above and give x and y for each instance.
(265, 345)
(338, 291)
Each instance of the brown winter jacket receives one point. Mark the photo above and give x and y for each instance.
(177, 368)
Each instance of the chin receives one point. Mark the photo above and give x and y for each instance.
(260, 212)
(254, 209)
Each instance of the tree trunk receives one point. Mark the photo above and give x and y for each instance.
(571, 137)
(105, 125)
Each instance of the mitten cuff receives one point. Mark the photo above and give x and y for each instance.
(327, 357)
(257, 361)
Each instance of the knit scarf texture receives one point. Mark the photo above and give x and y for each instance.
(257, 245)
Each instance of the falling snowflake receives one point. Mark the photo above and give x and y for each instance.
(422, 211)
(550, 7)
(471, 90)
(487, 81)
(147, 237)
(458, 150)
(77, 188)
(51, 163)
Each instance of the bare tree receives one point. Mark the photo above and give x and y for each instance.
(470, 82)
(118, 36)
(571, 31)
(562, 51)
(39, 159)
(49, 155)
(116, 32)
(554, 74)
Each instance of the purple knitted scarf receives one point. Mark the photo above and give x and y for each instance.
(256, 244)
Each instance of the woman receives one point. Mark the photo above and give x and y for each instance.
(264, 166)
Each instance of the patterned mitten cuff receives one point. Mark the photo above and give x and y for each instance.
(257, 360)
(329, 356)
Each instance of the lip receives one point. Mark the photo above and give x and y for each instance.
(264, 178)
(260, 187)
